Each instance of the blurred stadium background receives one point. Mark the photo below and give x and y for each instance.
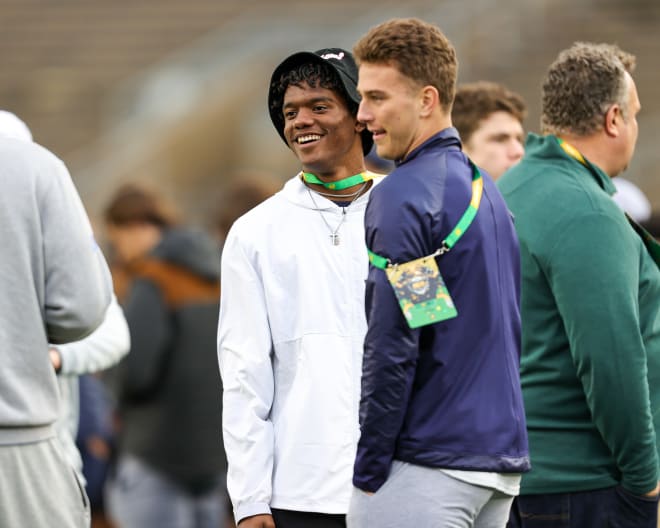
(174, 91)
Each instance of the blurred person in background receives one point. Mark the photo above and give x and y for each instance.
(292, 309)
(170, 468)
(245, 191)
(489, 119)
(101, 349)
(57, 288)
(631, 199)
(443, 438)
(590, 366)
(95, 440)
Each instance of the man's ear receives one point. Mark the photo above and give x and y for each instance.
(360, 126)
(429, 99)
(613, 119)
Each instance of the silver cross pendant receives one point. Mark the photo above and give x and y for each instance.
(334, 238)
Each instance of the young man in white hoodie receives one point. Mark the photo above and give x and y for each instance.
(292, 316)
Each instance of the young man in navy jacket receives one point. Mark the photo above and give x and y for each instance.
(443, 435)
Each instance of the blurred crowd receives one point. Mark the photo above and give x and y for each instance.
(149, 325)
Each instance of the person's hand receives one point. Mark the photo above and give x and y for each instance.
(257, 521)
(55, 359)
(98, 447)
(369, 493)
(654, 493)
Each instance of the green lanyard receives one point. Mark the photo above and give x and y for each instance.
(338, 185)
(572, 151)
(456, 233)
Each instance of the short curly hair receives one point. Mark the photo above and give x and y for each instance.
(581, 84)
(476, 101)
(419, 50)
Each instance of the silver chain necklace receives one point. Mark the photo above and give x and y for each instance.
(334, 233)
(341, 197)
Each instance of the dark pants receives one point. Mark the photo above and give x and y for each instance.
(605, 508)
(296, 519)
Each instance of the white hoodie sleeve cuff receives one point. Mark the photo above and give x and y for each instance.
(249, 509)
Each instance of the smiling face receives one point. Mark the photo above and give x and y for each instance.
(496, 144)
(320, 130)
(390, 108)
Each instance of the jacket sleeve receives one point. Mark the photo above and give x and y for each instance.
(78, 284)
(600, 311)
(244, 356)
(390, 349)
(101, 349)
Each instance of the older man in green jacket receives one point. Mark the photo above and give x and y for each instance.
(590, 366)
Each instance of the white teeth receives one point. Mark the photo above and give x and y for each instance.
(308, 138)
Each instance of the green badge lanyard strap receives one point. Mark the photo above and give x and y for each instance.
(456, 233)
(651, 244)
(340, 184)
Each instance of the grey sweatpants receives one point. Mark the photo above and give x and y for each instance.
(39, 488)
(415, 496)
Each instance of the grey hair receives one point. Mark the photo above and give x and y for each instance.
(581, 85)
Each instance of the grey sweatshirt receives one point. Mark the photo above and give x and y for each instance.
(54, 284)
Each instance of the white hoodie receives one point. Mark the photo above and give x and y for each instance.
(290, 336)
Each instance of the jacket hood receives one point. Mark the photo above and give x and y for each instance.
(191, 249)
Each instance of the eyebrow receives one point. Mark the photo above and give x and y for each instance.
(321, 99)
(506, 134)
(374, 91)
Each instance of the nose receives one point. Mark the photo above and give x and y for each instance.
(516, 150)
(364, 114)
(303, 119)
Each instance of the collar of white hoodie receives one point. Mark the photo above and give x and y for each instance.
(295, 191)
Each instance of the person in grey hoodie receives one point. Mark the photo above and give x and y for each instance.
(100, 350)
(55, 287)
(171, 468)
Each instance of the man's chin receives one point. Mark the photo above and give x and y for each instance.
(315, 166)
(384, 153)
(308, 160)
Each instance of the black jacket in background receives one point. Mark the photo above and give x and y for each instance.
(169, 386)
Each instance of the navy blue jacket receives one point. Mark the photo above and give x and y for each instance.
(445, 395)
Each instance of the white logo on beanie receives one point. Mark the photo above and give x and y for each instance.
(327, 56)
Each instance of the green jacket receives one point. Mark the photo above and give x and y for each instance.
(590, 366)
